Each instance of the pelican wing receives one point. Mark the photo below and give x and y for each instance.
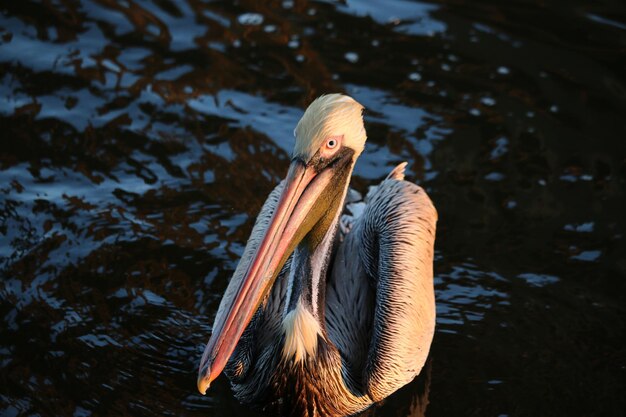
(380, 297)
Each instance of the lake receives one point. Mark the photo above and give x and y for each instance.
(140, 139)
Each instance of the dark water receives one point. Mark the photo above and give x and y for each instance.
(139, 139)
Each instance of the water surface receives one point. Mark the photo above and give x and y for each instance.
(139, 140)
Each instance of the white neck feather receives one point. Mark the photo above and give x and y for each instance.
(301, 332)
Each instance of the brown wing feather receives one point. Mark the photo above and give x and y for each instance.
(380, 297)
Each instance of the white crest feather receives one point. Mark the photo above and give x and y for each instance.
(330, 115)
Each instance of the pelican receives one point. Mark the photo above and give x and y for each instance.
(318, 319)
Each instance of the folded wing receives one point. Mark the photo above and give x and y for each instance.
(380, 295)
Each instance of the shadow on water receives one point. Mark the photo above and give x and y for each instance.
(139, 140)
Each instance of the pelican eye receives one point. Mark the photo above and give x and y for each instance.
(331, 146)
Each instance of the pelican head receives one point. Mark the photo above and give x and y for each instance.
(329, 138)
(332, 117)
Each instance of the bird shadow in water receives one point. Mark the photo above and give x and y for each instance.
(410, 401)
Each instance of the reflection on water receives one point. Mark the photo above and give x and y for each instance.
(140, 138)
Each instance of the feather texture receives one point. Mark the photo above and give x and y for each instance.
(380, 297)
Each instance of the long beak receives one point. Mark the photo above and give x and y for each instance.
(287, 227)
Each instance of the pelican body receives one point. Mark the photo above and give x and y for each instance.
(324, 317)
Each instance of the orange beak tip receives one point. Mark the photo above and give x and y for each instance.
(204, 380)
(203, 384)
